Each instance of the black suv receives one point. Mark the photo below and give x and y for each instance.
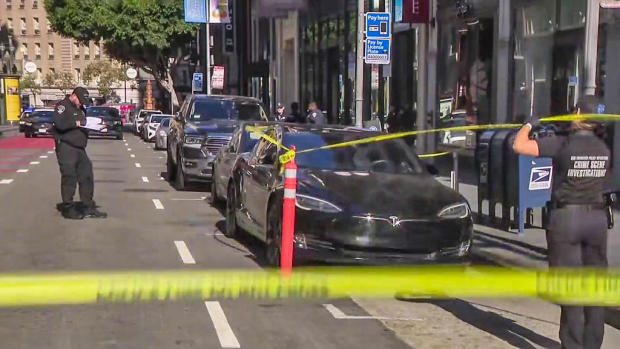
(203, 126)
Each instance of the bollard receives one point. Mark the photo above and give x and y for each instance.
(288, 216)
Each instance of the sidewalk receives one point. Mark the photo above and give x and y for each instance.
(8, 129)
(508, 247)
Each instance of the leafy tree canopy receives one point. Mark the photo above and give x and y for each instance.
(145, 33)
(106, 74)
(61, 80)
(28, 83)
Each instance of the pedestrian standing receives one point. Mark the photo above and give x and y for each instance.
(577, 228)
(295, 115)
(280, 110)
(75, 166)
(315, 115)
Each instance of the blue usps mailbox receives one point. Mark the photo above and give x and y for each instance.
(535, 175)
(197, 82)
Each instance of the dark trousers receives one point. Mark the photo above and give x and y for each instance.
(577, 236)
(75, 167)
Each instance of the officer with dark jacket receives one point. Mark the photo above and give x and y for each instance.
(315, 115)
(577, 228)
(75, 166)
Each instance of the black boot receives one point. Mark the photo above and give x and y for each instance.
(70, 211)
(93, 212)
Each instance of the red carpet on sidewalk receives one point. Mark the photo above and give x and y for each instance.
(22, 142)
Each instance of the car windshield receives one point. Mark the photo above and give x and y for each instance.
(166, 122)
(42, 114)
(105, 112)
(156, 119)
(205, 110)
(390, 156)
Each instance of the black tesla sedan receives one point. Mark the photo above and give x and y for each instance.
(38, 123)
(367, 203)
(240, 146)
(111, 117)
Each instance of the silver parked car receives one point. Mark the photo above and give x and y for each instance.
(161, 135)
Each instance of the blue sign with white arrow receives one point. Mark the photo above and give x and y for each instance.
(379, 25)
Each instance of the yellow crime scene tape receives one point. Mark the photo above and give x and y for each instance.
(289, 155)
(570, 286)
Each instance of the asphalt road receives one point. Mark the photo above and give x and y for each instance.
(152, 226)
(179, 231)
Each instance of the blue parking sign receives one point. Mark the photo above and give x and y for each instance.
(197, 82)
(378, 25)
(377, 51)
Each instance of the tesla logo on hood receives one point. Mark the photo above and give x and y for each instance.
(395, 221)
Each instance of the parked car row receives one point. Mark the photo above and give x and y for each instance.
(372, 203)
(40, 122)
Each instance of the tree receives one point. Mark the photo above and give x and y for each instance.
(106, 74)
(149, 34)
(28, 83)
(61, 80)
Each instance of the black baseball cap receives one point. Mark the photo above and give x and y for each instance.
(83, 95)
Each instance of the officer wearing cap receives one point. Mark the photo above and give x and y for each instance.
(315, 115)
(577, 227)
(75, 166)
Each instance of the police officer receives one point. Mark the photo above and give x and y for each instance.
(577, 228)
(315, 115)
(75, 166)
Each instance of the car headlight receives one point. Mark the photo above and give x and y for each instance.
(29, 124)
(454, 211)
(310, 203)
(22, 122)
(116, 123)
(193, 140)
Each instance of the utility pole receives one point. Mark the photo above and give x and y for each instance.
(207, 49)
(359, 66)
(591, 49)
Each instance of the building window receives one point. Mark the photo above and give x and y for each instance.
(37, 50)
(23, 25)
(39, 74)
(35, 4)
(9, 5)
(97, 52)
(49, 26)
(76, 50)
(9, 24)
(50, 50)
(24, 49)
(78, 76)
(22, 3)
(37, 26)
(86, 52)
(51, 70)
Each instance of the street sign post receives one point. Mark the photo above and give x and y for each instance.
(378, 38)
(377, 51)
(197, 82)
(379, 25)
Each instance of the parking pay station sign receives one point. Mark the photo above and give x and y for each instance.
(197, 82)
(378, 38)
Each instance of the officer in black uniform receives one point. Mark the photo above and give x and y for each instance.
(315, 115)
(577, 228)
(75, 166)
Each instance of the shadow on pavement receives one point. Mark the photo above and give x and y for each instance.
(503, 328)
(483, 242)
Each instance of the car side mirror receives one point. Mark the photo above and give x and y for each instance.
(432, 169)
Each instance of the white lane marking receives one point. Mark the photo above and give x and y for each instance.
(186, 256)
(128, 149)
(43, 156)
(132, 155)
(138, 165)
(202, 198)
(340, 315)
(6, 181)
(34, 162)
(145, 179)
(224, 333)
(22, 170)
(161, 178)
(158, 204)
(50, 152)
